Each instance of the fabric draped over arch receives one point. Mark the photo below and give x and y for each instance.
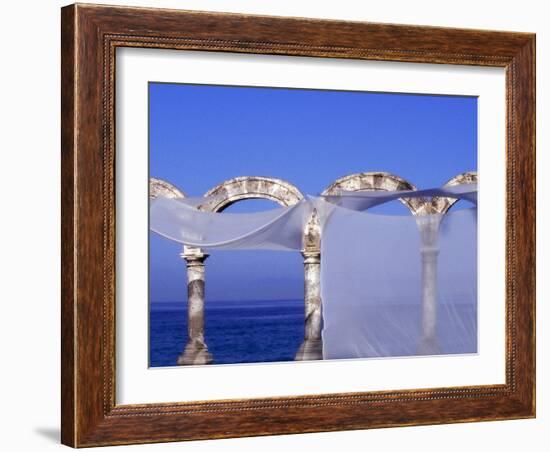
(196, 350)
(310, 216)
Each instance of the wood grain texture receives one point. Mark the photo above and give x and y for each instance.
(67, 226)
(90, 36)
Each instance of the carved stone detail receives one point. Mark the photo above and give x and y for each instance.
(251, 187)
(312, 347)
(379, 181)
(443, 204)
(159, 187)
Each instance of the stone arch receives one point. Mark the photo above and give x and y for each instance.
(443, 204)
(286, 195)
(429, 232)
(380, 181)
(251, 187)
(196, 350)
(159, 187)
(280, 191)
(428, 226)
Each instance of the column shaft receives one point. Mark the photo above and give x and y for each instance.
(428, 341)
(196, 351)
(312, 296)
(312, 347)
(429, 231)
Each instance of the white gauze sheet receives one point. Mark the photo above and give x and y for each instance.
(392, 285)
(372, 286)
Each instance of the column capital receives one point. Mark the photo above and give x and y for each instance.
(312, 234)
(311, 257)
(193, 256)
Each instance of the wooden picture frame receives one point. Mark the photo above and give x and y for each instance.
(90, 36)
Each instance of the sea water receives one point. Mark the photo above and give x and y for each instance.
(272, 331)
(236, 332)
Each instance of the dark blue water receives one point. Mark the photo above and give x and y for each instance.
(236, 332)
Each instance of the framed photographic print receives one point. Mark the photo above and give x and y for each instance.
(281, 225)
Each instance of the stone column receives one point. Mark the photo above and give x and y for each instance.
(429, 230)
(312, 347)
(196, 351)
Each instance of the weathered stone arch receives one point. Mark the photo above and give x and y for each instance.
(251, 187)
(258, 187)
(469, 177)
(375, 180)
(285, 194)
(428, 226)
(195, 351)
(443, 204)
(380, 181)
(159, 187)
(221, 197)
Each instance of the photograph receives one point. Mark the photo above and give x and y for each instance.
(295, 224)
(285, 222)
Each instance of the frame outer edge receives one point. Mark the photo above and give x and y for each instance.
(533, 120)
(68, 230)
(525, 199)
(86, 418)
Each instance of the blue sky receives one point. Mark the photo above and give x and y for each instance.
(201, 135)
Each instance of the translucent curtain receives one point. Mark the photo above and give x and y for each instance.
(387, 291)
(392, 285)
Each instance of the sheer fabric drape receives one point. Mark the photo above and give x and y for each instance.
(392, 285)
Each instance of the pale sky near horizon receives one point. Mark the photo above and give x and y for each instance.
(201, 135)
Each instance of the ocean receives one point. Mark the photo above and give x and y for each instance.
(235, 332)
(272, 331)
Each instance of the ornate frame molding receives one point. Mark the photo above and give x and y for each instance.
(90, 36)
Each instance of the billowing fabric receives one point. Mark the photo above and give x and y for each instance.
(277, 229)
(372, 285)
(364, 200)
(392, 285)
